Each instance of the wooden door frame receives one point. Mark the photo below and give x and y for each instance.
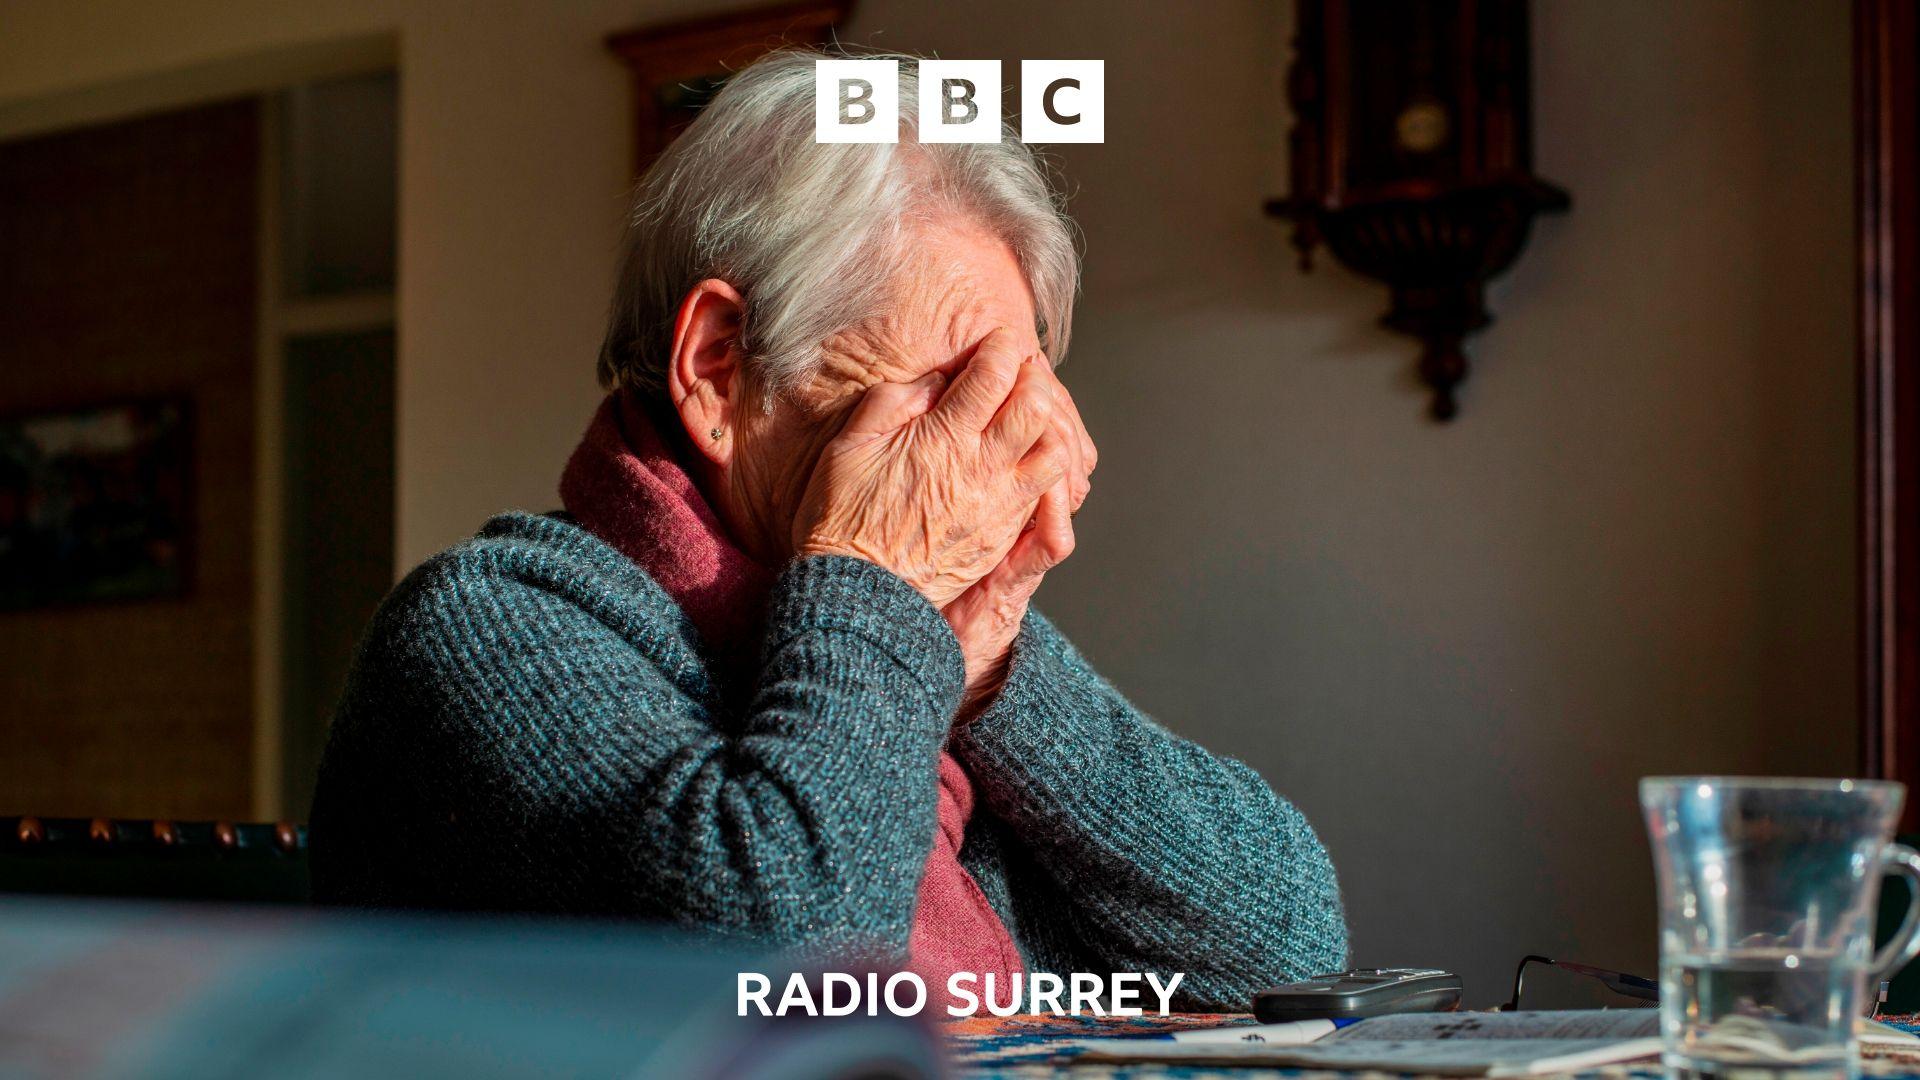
(1887, 121)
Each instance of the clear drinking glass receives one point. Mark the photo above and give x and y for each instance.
(1768, 890)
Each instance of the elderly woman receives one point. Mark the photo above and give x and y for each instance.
(773, 671)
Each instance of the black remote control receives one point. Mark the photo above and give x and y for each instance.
(1352, 995)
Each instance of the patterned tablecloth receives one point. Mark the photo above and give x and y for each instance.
(1034, 1048)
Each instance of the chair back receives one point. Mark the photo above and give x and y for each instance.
(175, 860)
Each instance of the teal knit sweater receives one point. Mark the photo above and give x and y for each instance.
(532, 725)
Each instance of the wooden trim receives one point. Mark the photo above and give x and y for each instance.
(344, 314)
(1887, 117)
(243, 76)
(269, 496)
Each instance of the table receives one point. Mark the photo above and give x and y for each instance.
(1030, 1048)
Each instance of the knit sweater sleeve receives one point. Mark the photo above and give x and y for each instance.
(1163, 857)
(538, 737)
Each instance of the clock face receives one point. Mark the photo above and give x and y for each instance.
(1400, 86)
(1421, 127)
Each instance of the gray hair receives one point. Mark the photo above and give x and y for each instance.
(811, 234)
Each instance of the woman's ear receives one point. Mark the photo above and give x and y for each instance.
(703, 371)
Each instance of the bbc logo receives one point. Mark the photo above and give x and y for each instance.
(858, 101)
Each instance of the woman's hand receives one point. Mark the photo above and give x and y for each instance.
(937, 487)
(986, 618)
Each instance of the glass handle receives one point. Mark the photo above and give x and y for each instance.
(1903, 860)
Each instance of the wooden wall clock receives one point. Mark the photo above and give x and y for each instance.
(1412, 159)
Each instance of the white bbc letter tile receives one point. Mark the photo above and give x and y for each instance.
(960, 101)
(1063, 101)
(856, 101)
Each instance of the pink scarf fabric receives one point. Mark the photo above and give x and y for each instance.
(626, 485)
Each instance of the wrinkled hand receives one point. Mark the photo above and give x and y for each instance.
(986, 618)
(937, 487)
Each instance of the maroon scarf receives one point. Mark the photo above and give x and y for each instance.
(626, 485)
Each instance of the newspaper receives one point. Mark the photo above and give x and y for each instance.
(1441, 1044)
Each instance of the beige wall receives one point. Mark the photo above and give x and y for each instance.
(1458, 647)
(1455, 647)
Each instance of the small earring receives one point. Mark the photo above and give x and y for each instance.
(714, 434)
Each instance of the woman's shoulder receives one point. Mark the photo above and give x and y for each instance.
(551, 550)
(528, 574)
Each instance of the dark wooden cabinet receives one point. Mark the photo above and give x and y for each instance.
(676, 67)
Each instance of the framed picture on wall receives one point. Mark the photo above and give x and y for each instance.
(95, 504)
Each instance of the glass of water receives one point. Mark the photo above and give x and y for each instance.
(1768, 890)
